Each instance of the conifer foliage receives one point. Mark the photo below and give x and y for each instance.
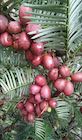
(40, 70)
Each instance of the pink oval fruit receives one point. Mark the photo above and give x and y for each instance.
(38, 110)
(20, 105)
(44, 105)
(23, 14)
(45, 92)
(56, 62)
(38, 98)
(65, 71)
(32, 99)
(6, 39)
(28, 55)
(14, 27)
(32, 27)
(24, 41)
(37, 60)
(60, 84)
(34, 89)
(37, 48)
(47, 61)
(3, 23)
(31, 117)
(53, 74)
(29, 107)
(40, 80)
(69, 88)
(52, 103)
(77, 77)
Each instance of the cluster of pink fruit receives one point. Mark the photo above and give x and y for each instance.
(16, 34)
(63, 80)
(39, 100)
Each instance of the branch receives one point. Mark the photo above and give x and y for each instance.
(9, 128)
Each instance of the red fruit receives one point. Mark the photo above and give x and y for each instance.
(6, 39)
(77, 77)
(20, 105)
(24, 112)
(3, 23)
(81, 109)
(29, 107)
(32, 27)
(65, 71)
(34, 89)
(40, 80)
(38, 98)
(15, 36)
(32, 99)
(45, 92)
(24, 41)
(38, 110)
(52, 103)
(28, 55)
(31, 117)
(36, 60)
(56, 62)
(15, 44)
(23, 12)
(47, 61)
(60, 84)
(14, 27)
(69, 88)
(44, 105)
(20, 22)
(53, 74)
(37, 48)
(0, 39)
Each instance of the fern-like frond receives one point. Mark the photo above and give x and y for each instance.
(39, 129)
(9, 57)
(76, 133)
(24, 131)
(16, 81)
(62, 110)
(52, 16)
(63, 23)
(75, 24)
